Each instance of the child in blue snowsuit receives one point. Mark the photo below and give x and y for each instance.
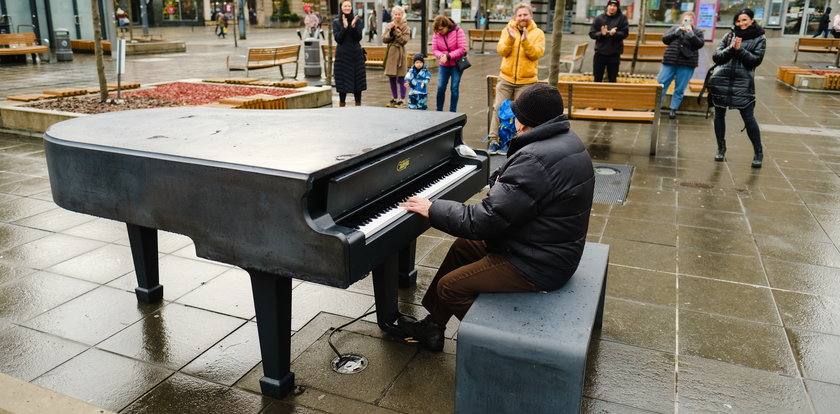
(417, 81)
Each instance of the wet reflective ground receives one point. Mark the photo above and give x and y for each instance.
(723, 289)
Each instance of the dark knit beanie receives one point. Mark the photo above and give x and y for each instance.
(616, 2)
(418, 56)
(537, 104)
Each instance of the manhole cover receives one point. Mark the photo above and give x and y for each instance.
(349, 364)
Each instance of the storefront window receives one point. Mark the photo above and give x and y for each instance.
(667, 11)
(179, 10)
(728, 8)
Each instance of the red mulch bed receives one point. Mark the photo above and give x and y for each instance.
(166, 95)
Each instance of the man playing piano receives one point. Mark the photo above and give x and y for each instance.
(528, 234)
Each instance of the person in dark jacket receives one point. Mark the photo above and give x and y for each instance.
(822, 29)
(349, 57)
(732, 83)
(527, 234)
(680, 58)
(609, 30)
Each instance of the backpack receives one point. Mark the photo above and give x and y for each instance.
(507, 124)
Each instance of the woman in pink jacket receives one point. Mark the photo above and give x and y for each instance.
(448, 45)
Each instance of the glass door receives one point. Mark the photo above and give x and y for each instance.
(803, 16)
(793, 17)
(815, 10)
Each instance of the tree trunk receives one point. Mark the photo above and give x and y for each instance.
(640, 35)
(97, 47)
(556, 41)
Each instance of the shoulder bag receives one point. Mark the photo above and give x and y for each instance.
(462, 63)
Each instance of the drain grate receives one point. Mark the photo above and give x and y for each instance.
(612, 182)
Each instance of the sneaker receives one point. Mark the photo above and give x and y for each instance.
(428, 332)
(392, 104)
(503, 150)
(493, 148)
(400, 104)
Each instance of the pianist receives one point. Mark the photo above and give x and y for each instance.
(528, 233)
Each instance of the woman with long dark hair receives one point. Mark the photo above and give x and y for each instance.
(349, 57)
(732, 83)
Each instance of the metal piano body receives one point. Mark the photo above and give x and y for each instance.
(277, 193)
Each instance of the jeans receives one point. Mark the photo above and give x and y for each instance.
(444, 73)
(823, 33)
(504, 90)
(682, 75)
(610, 62)
(747, 114)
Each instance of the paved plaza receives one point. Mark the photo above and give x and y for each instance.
(723, 293)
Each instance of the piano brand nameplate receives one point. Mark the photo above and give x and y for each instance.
(255, 138)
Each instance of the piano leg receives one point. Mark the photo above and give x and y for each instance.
(385, 294)
(144, 251)
(407, 272)
(273, 303)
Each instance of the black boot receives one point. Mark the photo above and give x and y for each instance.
(721, 152)
(672, 114)
(427, 331)
(759, 157)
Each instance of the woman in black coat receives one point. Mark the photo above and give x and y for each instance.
(732, 84)
(822, 29)
(680, 58)
(349, 57)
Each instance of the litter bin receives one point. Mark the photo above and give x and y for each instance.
(63, 53)
(312, 58)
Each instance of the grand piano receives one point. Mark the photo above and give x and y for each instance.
(304, 194)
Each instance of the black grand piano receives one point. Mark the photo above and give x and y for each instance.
(305, 194)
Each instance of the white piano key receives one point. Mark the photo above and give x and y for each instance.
(389, 216)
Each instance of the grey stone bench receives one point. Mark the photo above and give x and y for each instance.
(526, 352)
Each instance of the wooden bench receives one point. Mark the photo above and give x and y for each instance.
(526, 352)
(648, 52)
(577, 55)
(267, 57)
(375, 55)
(815, 45)
(21, 44)
(483, 35)
(627, 102)
(649, 37)
(621, 102)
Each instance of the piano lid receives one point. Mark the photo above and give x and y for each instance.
(302, 141)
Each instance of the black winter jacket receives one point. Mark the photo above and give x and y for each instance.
(675, 39)
(606, 44)
(536, 213)
(349, 70)
(732, 84)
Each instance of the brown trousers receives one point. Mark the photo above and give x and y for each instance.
(467, 271)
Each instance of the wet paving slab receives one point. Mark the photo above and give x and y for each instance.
(723, 292)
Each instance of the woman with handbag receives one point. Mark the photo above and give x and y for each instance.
(732, 83)
(449, 45)
(680, 59)
(396, 35)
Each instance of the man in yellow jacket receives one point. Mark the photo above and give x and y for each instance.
(521, 46)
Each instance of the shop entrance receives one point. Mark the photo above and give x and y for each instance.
(803, 16)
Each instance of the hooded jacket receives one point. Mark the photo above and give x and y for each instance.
(520, 58)
(536, 213)
(606, 44)
(732, 84)
(676, 39)
(453, 43)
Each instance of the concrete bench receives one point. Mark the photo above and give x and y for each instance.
(21, 44)
(526, 352)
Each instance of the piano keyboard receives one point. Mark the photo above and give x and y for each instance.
(387, 215)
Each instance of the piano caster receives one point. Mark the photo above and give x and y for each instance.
(150, 295)
(277, 388)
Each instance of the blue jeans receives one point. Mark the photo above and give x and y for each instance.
(444, 73)
(682, 74)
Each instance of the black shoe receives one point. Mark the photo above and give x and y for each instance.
(427, 331)
(672, 114)
(759, 157)
(720, 156)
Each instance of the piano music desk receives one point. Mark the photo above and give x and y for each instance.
(305, 194)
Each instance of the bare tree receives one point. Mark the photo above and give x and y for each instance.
(97, 47)
(556, 42)
(640, 35)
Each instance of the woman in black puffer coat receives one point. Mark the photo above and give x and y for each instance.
(732, 84)
(349, 57)
(680, 58)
